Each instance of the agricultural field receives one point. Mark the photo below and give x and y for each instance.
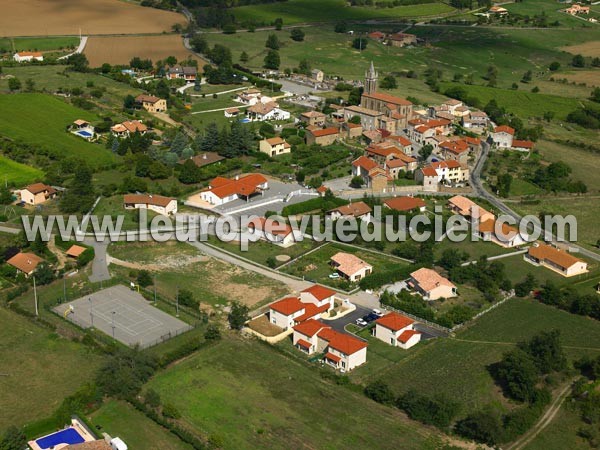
(263, 399)
(458, 366)
(53, 78)
(120, 49)
(591, 49)
(35, 364)
(18, 174)
(64, 17)
(118, 418)
(301, 11)
(40, 119)
(41, 44)
(212, 281)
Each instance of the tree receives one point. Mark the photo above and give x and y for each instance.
(452, 258)
(179, 142)
(578, 61)
(389, 82)
(144, 278)
(481, 426)
(199, 44)
(13, 439)
(425, 152)
(380, 392)
(186, 298)
(304, 66)
(244, 57)
(595, 97)
(152, 398)
(6, 197)
(518, 375)
(554, 66)
(79, 197)
(272, 60)
(273, 42)
(527, 76)
(29, 85)
(504, 183)
(548, 116)
(129, 102)
(523, 288)
(355, 95)
(14, 84)
(189, 173)
(78, 62)
(355, 119)
(44, 274)
(212, 333)
(546, 351)
(297, 34)
(238, 315)
(341, 27)
(359, 43)
(278, 24)
(357, 182)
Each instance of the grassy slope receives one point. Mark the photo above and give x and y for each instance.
(40, 119)
(39, 44)
(298, 11)
(18, 174)
(252, 396)
(121, 419)
(561, 433)
(40, 369)
(458, 368)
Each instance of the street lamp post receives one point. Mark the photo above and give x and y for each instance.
(91, 311)
(113, 324)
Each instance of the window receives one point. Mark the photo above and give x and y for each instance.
(392, 340)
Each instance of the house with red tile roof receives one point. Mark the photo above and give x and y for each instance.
(560, 261)
(351, 266)
(322, 136)
(162, 205)
(37, 193)
(357, 210)
(503, 136)
(305, 336)
(223, 190)
(311, 304)
(405, 204)
(274, 146)
(342, 351)
(468, 208)
(151, 103)
(124, 129)
(449, 173)
(431, 285)
(396, 330)
(273, 231)
(522, 146)
(28, 56)
(501, 234)
(25, 263)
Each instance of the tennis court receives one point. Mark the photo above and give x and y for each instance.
(125, 315)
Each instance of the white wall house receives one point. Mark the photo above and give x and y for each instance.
(503, 136)
(162, 205)
(396, 330)
(28, 56)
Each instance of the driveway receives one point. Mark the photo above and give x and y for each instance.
(99, 264)
(340, 324)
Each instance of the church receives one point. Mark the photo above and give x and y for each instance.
(378, 110)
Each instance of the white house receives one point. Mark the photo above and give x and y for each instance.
(431, 285)
(162, 205)
(503, 136)
(351, 267)
(505, 236)
(266, 111)
(357, 210)
(305, 336)
(223, 190)
(396, 330)
(554, 259)
(279, 233)
(289, 311)
(342, 351)
(28, 56)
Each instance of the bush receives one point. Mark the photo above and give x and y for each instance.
(213, 333)
(380, 392)
(439, 411)
(481, 426)
(152, 398)
(170, 411)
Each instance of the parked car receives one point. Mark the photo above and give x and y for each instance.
(334, 276)
(370, 317)
(361, 323)
(377, 312)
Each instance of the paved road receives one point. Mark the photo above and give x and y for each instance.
(99, 264)
(10, 230)
(483, 193)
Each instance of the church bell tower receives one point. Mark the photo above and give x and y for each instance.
(371, 77)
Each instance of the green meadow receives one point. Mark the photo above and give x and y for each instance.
(18, 174)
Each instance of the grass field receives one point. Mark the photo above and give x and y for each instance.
(298, 11)
(39, 369)
(52, 78)
(120, 49)
(113, 207)
(550, 8)
(118, 418)
(39, 119)
(212, 281)
(18, 174)
(561, 432)
(249, 395)
(42, 44)
(591, 49)
(458, 367)
(63, 17)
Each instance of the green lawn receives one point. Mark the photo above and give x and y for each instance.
(18, 174)
(113, 207)
(41, 120)
(458, 367)
(520, 188)
(38, 369)
(118, 418)
(316, 266)
(298, 11)
(249, 395)
(41, 44)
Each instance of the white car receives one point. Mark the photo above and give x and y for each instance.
(361, 323)
(334, 276)
(377, 312)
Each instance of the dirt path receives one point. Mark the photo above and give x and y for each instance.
(153, 267)
(543, 422)
(62, 258)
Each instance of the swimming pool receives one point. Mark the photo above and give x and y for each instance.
(83, 134)
(66, 436)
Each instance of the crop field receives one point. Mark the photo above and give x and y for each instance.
(121, 419)
(42, 44)
(458, 366)
(298, 11)
(120, 50)
(18, 174)
(249, 395)
(40, 119)
(35, 365)
(591, 49)
(65, 17)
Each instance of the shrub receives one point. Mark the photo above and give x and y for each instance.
(380, 392)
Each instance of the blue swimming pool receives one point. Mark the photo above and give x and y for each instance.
(66, 436)
(84, 134)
